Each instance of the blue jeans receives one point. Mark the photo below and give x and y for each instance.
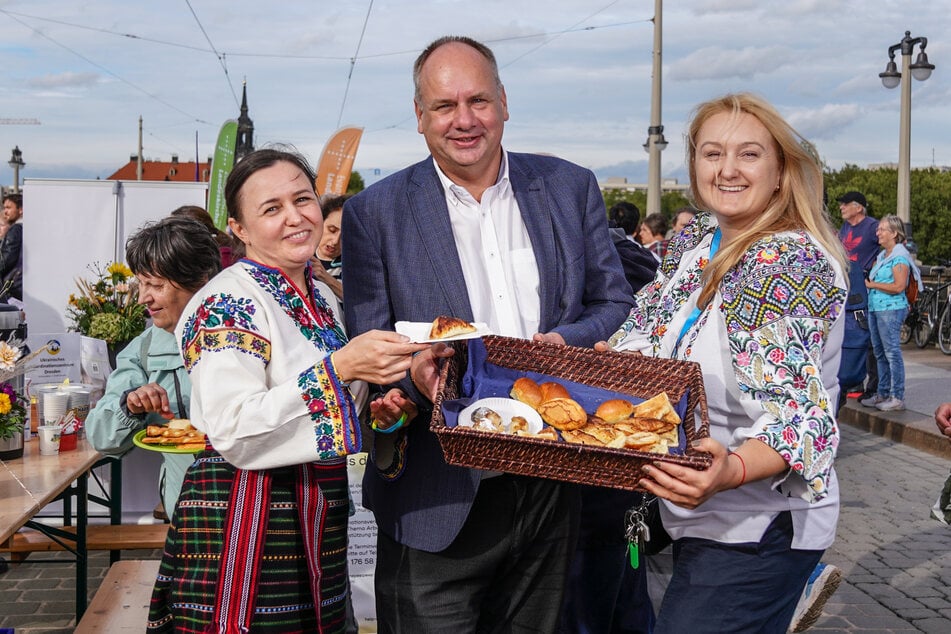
(885, 326)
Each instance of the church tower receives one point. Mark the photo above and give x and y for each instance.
(245, 142)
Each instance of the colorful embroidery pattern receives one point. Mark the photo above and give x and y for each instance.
(778, 303)
(328, 401)
(223, 322)
(336, 425)
(318, 326)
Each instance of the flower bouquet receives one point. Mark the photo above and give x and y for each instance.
(107, 307)
(13, 404)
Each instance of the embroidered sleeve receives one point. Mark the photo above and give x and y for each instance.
(780, 304)
(332, 410)
(223, 322)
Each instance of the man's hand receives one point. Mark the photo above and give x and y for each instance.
(942, 418)
(424, 371)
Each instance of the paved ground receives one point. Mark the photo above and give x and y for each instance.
(896, 559)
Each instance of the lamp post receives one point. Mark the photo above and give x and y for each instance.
(891, 78)
(16, 162)
(655, 133)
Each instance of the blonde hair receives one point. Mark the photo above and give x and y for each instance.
(796, 205)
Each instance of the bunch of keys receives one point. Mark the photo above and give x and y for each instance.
(636, 531)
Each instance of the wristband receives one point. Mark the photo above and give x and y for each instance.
(743, 465)
(388, 430)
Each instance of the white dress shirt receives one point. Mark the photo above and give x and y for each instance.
(496, 254)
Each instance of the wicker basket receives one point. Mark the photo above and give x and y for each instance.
(636, 375)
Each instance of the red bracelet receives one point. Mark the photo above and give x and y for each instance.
(742, 464)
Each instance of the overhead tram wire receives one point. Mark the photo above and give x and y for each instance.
(353, 62)
(220, 56)
(106, 70)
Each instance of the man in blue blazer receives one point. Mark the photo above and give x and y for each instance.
(521, 243)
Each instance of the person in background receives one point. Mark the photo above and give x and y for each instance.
(172, 259)
(859, 236)
(627, 216)
(888, 306)
(653, 234)
(519, 242)
(327, 255)
(259, 537)
(11, 248)
(225, 241)
(748, 531)
(682, 217)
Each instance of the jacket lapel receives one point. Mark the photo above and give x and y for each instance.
(431, 216)
(533, 204)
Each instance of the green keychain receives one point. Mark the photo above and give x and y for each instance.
(634, 552)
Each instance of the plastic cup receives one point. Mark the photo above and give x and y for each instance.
(78, 402)
(49, 439)
(54, 406)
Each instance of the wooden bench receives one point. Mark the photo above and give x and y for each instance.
(98, 537)
(122, 602)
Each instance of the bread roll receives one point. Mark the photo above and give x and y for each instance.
(563, 413)
(614, 410)
(527, 391)
(552, 390)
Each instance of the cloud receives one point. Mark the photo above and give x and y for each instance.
(825, 122)
(721, 63)
(64, 80)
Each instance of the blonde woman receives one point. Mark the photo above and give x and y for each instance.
(754, 291)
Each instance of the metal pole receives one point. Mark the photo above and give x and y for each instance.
(655, 130)
(904, 143)
(138, 163)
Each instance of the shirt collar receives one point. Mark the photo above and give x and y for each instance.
(456, 193)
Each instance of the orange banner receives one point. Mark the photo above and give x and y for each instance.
(336, 161)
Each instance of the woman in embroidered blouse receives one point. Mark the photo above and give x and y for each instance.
(259, 537)
(888, 307)
(753, 290)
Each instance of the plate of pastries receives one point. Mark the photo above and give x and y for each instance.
(178, 436)
(652, 425)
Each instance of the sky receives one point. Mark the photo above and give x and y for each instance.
(577, 74)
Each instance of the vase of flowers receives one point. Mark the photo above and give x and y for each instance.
(13, 403)
(107, 306)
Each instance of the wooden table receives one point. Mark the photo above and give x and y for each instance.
(29, 483)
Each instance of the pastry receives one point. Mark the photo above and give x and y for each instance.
(563, 413)
(445, 327)
(614, 410)
(527, 391)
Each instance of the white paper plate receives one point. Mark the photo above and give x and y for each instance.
(506, 408)
(418, 331)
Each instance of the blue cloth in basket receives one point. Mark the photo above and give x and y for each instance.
(486, 380)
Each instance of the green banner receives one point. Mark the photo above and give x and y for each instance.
(221, 166)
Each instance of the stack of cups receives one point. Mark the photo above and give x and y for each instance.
(78, 400)
(54, 406)
(41, 391)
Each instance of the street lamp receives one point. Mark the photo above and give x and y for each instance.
(891, 78)
(16, 162)
(655, 133)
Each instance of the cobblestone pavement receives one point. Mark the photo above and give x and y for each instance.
(896, 560)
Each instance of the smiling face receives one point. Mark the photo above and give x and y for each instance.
(737, 166)
(279, 219)
(887, 237)
(461, 112)
(329, 247)
(163, 298)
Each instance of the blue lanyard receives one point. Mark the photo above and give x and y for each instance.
(695, 314)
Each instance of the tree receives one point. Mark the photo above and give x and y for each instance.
(356, 184)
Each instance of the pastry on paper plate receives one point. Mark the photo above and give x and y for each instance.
(445, 327)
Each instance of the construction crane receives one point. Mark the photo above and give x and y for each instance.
(21, 121)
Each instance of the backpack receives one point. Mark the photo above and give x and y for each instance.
(914, 287)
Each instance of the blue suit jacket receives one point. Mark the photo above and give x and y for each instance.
(400, 263)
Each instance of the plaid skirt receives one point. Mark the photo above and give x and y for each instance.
(288, 597)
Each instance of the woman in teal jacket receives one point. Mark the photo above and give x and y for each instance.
(171, 259)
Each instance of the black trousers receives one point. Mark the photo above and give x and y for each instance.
(505, 571)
